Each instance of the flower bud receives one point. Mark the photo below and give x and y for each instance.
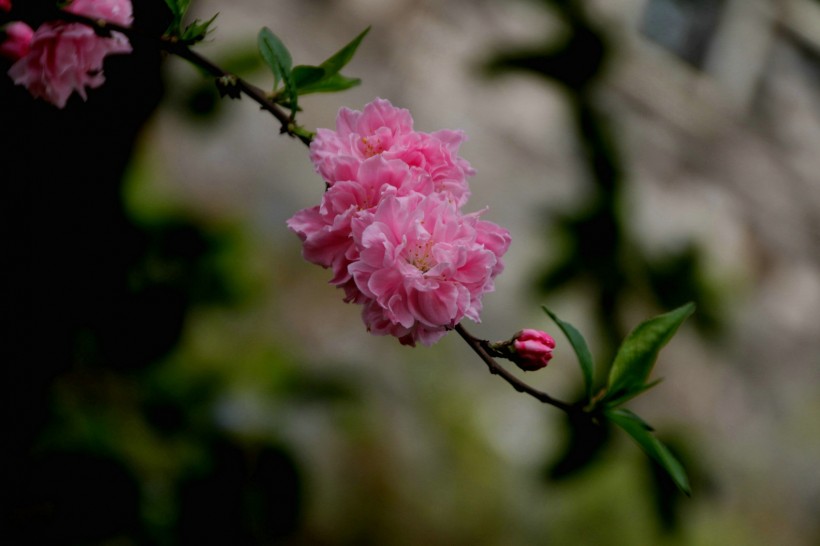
(531, 349)
(5, 5)
(16, 40)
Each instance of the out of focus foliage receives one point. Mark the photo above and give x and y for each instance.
(600, 250)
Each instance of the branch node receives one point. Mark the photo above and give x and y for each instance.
(227, 85)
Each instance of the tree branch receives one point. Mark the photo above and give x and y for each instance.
(224, 79)
(480, 348)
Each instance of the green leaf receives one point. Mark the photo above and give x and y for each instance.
(172, 5)
(196, 31)
(579, 345)
(642, 434)
(276, 55)
(178, 9)
(614, 402)
(305, 75)
(329, 84)
(339, 59)
(325, 78)
(638, 352)
(278, 58)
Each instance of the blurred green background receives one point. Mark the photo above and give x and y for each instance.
(177, 374)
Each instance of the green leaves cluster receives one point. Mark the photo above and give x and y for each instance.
(628, 377)
(193, 32)
(290, 82)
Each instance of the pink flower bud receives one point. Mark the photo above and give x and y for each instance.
(532, 349)
(17, 40)
(5, 5)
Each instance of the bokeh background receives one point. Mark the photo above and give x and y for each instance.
(177, 374)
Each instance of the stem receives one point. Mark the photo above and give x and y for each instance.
(479, 346)
(251, 91)
(181, 49)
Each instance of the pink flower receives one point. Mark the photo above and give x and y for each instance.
(390, 225)
(325, 230)
(358, 136)
(68, 57)
(382, 129)
(494, 238)
(5, 5)
(18, 40)
(532, 349)
(437, 153)
(378, 324)
(421, 263)
(114, 11)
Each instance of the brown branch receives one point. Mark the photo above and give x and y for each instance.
(225, 80)
(479, 346)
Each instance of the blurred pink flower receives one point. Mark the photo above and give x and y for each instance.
(5, 5)
(532, 349)
(17, 41)
(68, 57)
(114, 11)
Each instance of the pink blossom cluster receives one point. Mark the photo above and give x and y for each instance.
(59, 58)
(390, 225)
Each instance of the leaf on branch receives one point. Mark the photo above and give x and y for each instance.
(196, 31)
(325, 78)
(579, 345)
(305, 75)
(641, 432)
(330, 84)
(178, 9)
(338, 60)
(638, 352)
(278, 58)
(627, 396)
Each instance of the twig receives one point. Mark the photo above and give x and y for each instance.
(479, 346)
(223, 78)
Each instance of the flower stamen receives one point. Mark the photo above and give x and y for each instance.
(370, 149)
(421, 257)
